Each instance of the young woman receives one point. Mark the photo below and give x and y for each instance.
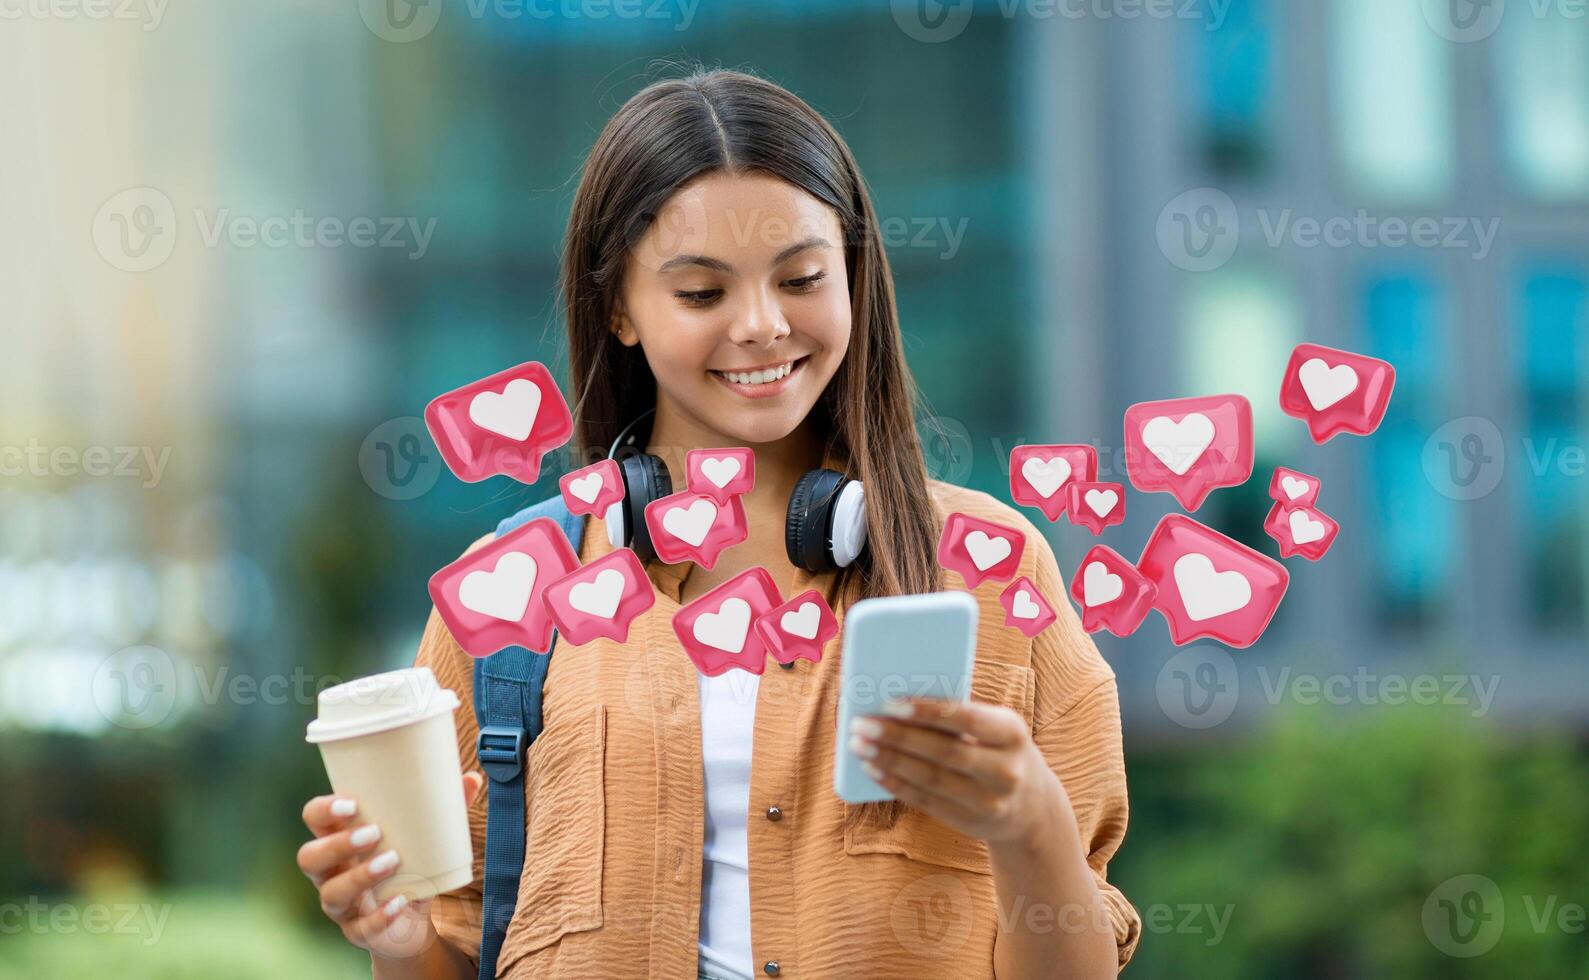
(723, 267)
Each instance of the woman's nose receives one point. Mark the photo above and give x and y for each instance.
(762, 322)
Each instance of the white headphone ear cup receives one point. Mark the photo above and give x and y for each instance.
(616, 532)
(849, 524)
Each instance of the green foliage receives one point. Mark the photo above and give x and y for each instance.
(1324, 838)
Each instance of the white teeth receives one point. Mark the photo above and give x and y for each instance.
(758, 377)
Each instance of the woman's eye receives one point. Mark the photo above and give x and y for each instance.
(806, 282)
(697, 297)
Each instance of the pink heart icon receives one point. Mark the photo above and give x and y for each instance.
(491, 597)
(502, 424)
(1336, 391)
(1189, 446)
(1209, 584)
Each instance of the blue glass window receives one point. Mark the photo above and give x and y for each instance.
(1406, 324)
(1550, 470)
(1231, 85)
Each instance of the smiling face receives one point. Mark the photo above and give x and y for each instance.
(739, 298)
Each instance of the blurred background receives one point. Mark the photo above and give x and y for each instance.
(241, 245)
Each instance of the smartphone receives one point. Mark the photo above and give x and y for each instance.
(898, 647)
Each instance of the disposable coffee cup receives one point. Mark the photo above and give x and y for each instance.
(389, 742)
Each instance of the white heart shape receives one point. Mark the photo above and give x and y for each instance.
(1102, 501)
(986, 551)
(725, 629)
(1046, 475)
(803, 621)
(1206, 593)
(1178, 444)
(1293, 487)
(509, 413)
(503, 592)
(690, 524)
(586, 487)
(720, 469)
(1304, 529)
(599, 596)
(1023, 607)
(1099, 585)
(1325, 385)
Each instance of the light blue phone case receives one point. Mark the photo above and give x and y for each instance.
(898, 647)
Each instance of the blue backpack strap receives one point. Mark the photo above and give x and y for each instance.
(507, 706)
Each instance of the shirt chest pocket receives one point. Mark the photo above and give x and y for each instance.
(560, 889)
(924, 838)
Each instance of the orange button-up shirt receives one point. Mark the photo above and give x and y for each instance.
(615, 814)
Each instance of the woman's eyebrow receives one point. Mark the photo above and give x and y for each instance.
(701, 260)
(798, 247)
(706, 261)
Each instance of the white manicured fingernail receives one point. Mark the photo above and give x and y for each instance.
(871, 770)
(862, 747)
(383, 863)
(395, 906)
(344, 808)
(898, 709)
(869, 727)
(365, 835)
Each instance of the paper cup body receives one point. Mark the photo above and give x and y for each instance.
(390, 742)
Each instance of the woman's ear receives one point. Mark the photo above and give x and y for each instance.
(621, 326)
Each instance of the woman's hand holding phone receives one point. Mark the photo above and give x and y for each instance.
(345, 863)
(971, 765)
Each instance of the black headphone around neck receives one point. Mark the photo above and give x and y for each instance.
(825, 528)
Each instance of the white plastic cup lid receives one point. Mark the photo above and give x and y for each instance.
(379, 703)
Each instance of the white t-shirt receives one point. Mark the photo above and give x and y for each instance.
(728, 723)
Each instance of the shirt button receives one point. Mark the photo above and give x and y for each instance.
(770, 968)
(774, 813)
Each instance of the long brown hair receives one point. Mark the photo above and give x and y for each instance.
(668, 134)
